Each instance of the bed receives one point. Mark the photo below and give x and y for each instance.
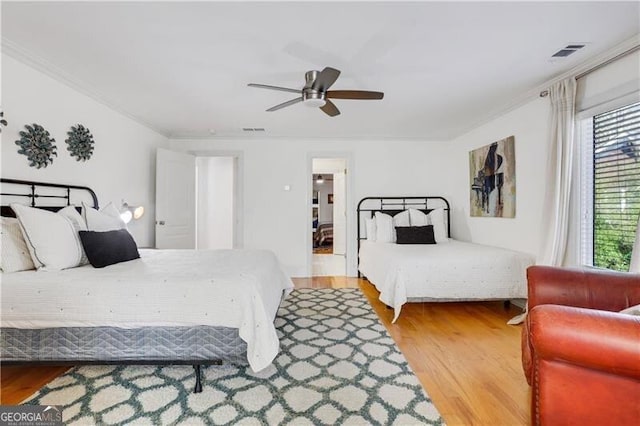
(323, 234)
(443, 272)
(167, 307)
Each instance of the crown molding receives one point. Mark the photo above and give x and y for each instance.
(534, 93)
(40, 64)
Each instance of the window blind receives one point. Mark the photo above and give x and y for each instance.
(613, 86)
(616, 185)
(586, 191)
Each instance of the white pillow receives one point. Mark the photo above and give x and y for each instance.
(370, 225)
(14, 254)
(401, 219)
(385, 232)
(79, 224)
(107, 219)
(436, 218)
(631, 310)
(51, 238)
(418, 218)
(72, 214)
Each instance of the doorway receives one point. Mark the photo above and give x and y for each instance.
(215, 202)
(328, 216)
(198, 197)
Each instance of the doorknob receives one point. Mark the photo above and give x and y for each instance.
(160, 222)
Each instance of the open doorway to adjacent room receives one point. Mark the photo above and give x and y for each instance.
(328, 216)
(198, 197)
(215, 202)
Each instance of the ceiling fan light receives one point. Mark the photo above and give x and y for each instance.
(315, 103)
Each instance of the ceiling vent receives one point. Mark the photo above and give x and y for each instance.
(567, 50)
(253, 129)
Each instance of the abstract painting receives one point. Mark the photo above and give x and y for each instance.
(492, 173)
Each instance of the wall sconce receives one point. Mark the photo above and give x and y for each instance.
(127, 212)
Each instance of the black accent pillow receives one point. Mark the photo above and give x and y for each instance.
(415, 235)
(108, 248)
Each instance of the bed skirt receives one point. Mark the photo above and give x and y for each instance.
(110, 344)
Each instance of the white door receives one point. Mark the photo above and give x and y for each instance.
(339, 214)
(175, 200)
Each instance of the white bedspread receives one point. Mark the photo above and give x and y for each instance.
(443, 272)
(230, 288)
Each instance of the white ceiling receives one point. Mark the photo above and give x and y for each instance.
(183, 67)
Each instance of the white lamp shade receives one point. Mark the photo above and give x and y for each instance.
(138, 212)
(126, 216)
(129, 213)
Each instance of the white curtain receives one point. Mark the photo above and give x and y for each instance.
(635, 253)
(556, 212)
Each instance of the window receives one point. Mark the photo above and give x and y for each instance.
(611, 187)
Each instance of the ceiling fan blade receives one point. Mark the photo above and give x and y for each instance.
(266, 86)
(354, 94)
(330, 109)
(285, 104)
(325, 79)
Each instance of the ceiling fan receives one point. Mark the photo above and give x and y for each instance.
(316, 93)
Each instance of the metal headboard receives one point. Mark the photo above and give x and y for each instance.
(31, 192)
(395, 205)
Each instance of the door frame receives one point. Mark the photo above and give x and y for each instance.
(351, 255)
(238, 190)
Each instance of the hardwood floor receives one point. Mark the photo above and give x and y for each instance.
(465, 355)
(17, 382)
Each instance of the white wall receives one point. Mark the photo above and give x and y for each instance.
(276, 219)
(395, 168)
(123, 167)
(607, 88)
(215, 203)
(529, 124)
(123, 163)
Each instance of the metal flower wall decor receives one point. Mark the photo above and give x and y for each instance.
(38, 145)
(80, 142)
(3, 122)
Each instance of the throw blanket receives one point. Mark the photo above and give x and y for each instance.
(324, 234)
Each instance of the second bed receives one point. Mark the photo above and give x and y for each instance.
(443, 272)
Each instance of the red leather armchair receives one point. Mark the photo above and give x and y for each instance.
(581, 357)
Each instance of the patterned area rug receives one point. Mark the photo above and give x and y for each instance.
(337, 365)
